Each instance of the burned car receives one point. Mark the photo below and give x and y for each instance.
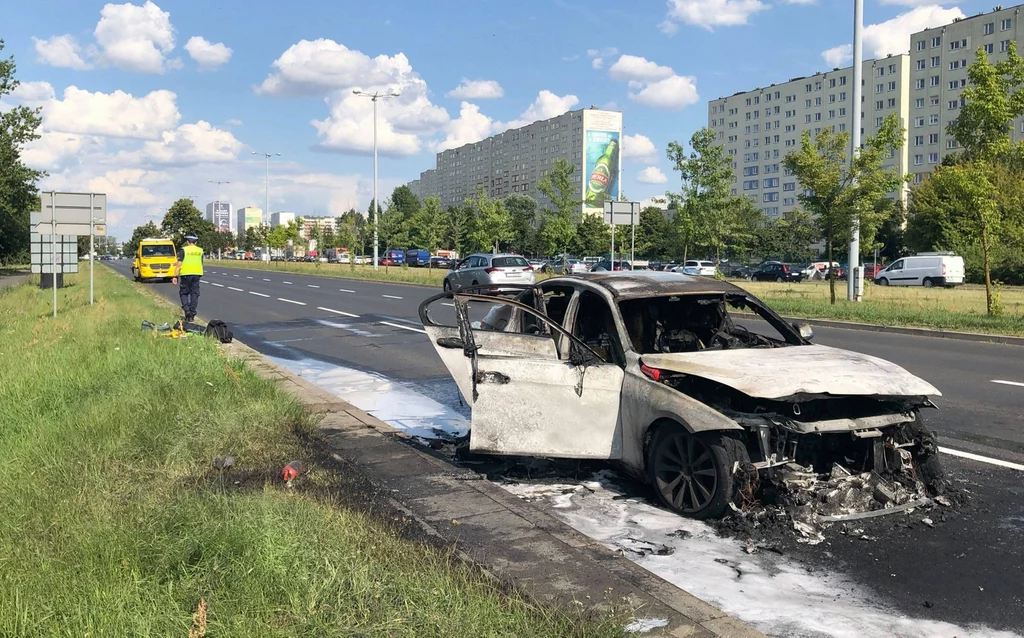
(689, 383)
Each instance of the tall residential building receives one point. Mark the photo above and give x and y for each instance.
(323, 223)
(219, 214)
(281, 219)
(760, 127)
(513, 162)
(939, 60)
(248, 217)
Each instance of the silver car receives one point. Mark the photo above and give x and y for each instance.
(567, 266)
(496, 272)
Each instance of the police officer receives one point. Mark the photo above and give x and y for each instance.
(189, 269)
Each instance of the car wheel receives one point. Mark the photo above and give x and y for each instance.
(883, 282)
(928, 283)
(447, 286)
(692, 474)
(779, 280)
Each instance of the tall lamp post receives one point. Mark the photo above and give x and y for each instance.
(213, 213)
(267, 192)
(376, 95)
(852, 289)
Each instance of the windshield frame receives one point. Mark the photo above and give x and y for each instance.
(160, 247)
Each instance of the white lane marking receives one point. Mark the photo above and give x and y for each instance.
(258, 294)
(1016, 383)
(390, 297)
(982, 459)
(297, 303)
(344, 290)
(395, 325)
(235, 289)
(338, 312)
(248, 277)
(234, 275)
(218, 285)
(287, 282)
(265, 279)
(203, 281)
(311, 286)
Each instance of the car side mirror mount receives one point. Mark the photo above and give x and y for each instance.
(804, 329)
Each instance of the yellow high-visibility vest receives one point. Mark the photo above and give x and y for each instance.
(192, 264)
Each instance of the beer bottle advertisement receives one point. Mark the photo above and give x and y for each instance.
(601, 170)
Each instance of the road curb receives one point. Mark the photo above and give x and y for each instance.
(914, 332)
(512, 540)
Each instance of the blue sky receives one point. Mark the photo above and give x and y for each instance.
(149, 101)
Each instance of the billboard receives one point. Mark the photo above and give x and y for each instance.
(602, 146)
(220, 214)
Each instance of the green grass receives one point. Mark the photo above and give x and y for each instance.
(15, 269)
(114, 523)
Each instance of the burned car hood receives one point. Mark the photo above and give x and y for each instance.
(779, 373)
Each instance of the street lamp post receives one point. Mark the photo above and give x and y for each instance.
(266, 224)
(376, 95)
(852, 289)
(213, 213)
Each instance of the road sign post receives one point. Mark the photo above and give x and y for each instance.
(53, 254)
(92, 252)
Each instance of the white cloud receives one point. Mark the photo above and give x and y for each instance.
(316, 67)
(709, 13)
(135, 38)
(803, 2)
(471, 126)
(597, 63)
(208, 55)
(116, 114)
(129, 37)
(477, 90)
(632, 67)
(53, 149)
(234, 122)
(192, 144)
(33, 93)
(893, 36)
(602, 53)
(916, 3)
(651, 175)
(61, 51)
(547, 105)
(638, 147)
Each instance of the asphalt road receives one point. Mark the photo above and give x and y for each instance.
(967, 569)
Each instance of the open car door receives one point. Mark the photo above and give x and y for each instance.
(535, 390)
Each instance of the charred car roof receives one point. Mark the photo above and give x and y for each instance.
(645, 283)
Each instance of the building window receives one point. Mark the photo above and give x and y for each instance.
(892, 103)
(807, 103)
(920, 45)
(817, 101)
(832, 99)
(1004, 25)
(933, 119)
(770, 182)
(918, 122)
(934, 101)
(892, 69)
(807, 119)
(951, 144)
(919, 140)
(769, 197)
(1004, 46)
(788, 201)
(817, 117)
(879, 105)
(936, 42)
(842, 96)
(879, 88)
(919, 84)
(817, 85)
(936, 61)
(842, 81)
(878, 121)
(842, 111)
(990, 28)
(789, 186)
(921, 64)
(954, 105)
(933, 158)
(989, 48)
(892, 86)
(880, 71)
(807, 88)
(832, 115)
(750, 185)
(749, 171)
(958, 44)
(919, 103)
(832, 83)
(934, 80)
(918, 160)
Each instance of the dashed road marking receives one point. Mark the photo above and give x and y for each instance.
(258, 294)
(287, 282)
(234, 275)
(311, 286)
(265, 279)
(235, 289)
(297, 303)
(218, 285)
(338, 312)
(390, 297)
(345, 290)
(203, 281)
(1001, 382)
(982, 459)
(248, 277)
(396, 325)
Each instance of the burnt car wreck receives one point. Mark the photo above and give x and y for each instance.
(694, 386)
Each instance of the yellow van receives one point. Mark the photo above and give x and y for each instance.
(154, 259)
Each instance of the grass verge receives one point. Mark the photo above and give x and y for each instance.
(115, 524)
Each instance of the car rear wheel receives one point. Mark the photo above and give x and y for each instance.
(779, 280)
(692, 474)
(928, 283)
(883, 282)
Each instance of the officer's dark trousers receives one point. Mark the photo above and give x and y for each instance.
(188, 290)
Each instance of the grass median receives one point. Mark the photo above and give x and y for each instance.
(115, 523)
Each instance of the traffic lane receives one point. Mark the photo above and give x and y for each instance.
(972, 407)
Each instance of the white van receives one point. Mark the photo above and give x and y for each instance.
(923, 269)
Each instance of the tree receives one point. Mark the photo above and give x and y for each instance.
(458, 224)
(492, 222)
(838, 191)
(788, 238)
(352, 231)
(593, 236)
(993, 99)
(558, 228)
(405, 201)
(255, 237)
(705, 199)
(427, 225)
(654, 234)
(743, 223)
(890, 238)
(391, 229)
(522, 212)
(183, 218)
(141, 232)
(18, 193)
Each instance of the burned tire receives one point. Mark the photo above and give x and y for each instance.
(692, 474)
(925, 450)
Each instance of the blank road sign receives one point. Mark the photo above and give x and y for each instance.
(73, 208)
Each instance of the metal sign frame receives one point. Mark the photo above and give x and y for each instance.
(73, 214)
(623, 214)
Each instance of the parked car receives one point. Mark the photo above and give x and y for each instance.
(396, 256)
(870, 270)
(695, 267)
(778, 272)
(417, 257)
(387, 261)
(604, 266)
(654, 371)
(496, 272)
(924, 269)
(566, 266)
(538, 264)
(440, 262)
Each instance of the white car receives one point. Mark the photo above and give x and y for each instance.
(344, 258)
(695, 267)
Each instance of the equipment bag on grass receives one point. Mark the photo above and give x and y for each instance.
(219, 330)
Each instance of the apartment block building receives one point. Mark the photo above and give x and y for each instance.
(939, 59)
(281, 218)
(758, 128)
(514, 161)
(320, 223)
(248, 217)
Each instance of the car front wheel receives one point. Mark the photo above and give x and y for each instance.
(447, 286)
(883, 282)
(692, 474)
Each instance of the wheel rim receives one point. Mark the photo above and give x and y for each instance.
(778, 279)
(685, 472)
